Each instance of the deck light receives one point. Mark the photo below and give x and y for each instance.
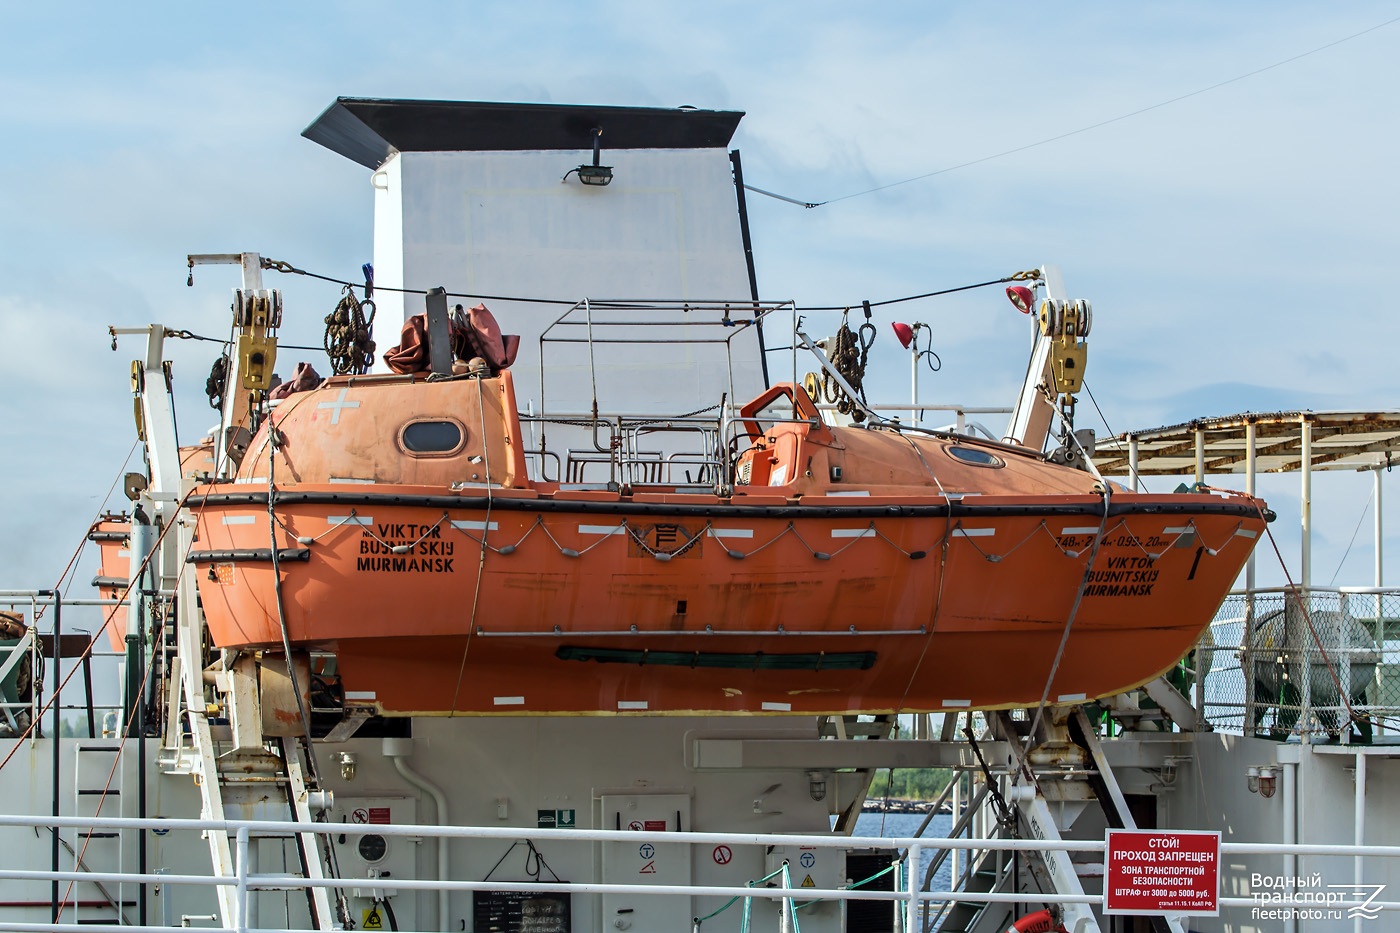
(594, 175)
(904, 333)
(1023, 298)
(346, 760)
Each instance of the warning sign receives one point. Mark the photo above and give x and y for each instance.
(372, 920)
(648, 869)
(808, 882)
(655, 826)
(380, 815)
(1162, 872)
(722, 855)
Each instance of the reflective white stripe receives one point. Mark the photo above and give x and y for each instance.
(240, 519)
(731, 532)
(778, 707)
(957, 703)
(359, 694)
(509, 701)
(348, 479)
(474, 526)
(1080, 530)
(1178, 530)
(250, 480)
(349, 520)
(1071, 698)
(1246, 533)
(123, 553)
(600, 529)
(631, 704)
(977, 532)
(853, 532)
(853, 492)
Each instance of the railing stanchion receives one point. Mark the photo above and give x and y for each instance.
(241, 873)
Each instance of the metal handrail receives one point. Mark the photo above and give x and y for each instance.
(910, 896)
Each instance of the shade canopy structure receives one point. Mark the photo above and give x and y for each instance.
(1340, 440)
(1265, 442)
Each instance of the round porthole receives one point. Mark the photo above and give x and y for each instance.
(974, 456)
(373, 847)
(432, 437)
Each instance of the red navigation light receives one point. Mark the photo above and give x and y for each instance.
(1021, 297)
(904, 332)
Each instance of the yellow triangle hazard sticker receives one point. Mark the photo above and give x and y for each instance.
(808, 882)
(372, 920)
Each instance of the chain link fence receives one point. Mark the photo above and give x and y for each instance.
(1284, 662)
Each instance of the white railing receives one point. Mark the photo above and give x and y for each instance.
(909, 898)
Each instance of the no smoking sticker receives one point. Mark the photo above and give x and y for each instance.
(722, 855)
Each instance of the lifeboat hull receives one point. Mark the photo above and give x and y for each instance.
(589, 603)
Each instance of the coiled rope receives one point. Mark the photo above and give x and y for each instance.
(349, 340)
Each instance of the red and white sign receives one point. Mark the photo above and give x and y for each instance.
(722, 855)
(1162, 872)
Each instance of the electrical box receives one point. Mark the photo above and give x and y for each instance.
(809, 867)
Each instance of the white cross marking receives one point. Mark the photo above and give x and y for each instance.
(337, 405)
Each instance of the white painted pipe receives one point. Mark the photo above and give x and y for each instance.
(398, 749)
(1306, 530)
(1290, 831)
(1359, 833)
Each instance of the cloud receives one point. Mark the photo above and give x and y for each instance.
(1232, 243)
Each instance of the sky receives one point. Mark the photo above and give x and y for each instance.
(1233, 242)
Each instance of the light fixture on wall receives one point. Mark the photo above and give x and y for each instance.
(1262, 780)
(346, 760)
(816, 785)
(594, 175)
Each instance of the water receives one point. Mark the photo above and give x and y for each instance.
(896, 825)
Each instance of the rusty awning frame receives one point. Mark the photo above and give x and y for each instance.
(1264, 442)
(1340, 440)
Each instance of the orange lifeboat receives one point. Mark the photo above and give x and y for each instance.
(112, 535)
(392, 522)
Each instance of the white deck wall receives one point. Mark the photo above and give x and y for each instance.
(503, 223)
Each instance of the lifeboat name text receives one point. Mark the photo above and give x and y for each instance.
(404, 548)
(1125, 576)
